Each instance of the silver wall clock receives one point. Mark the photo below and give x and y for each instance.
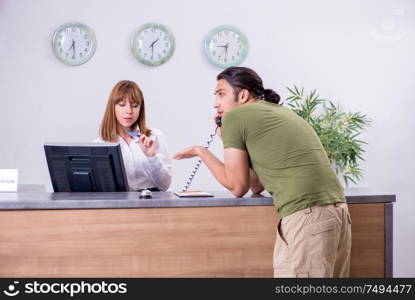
(74, 43)
(226, 46)
(152, 44)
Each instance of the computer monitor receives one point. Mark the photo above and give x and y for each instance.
(86, 167)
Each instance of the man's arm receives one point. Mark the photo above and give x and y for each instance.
(255, 185)
(233, 173)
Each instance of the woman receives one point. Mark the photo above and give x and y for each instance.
(144, 150)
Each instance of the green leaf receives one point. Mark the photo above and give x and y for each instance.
(291, 91)
(337, 130)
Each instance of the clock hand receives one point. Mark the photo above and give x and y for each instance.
(225, 47)
(152, 44)
(72, 45)
(152, 48)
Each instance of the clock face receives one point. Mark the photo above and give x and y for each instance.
(152, 44)
(226, 46)
(74, 43)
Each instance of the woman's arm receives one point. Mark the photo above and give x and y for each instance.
(159, 167)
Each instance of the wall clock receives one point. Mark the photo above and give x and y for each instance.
(226, 46)
(152, 44)
(74, 43)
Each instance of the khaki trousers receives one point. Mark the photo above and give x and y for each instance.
(314, 242)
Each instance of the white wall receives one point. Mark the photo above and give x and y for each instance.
(359, 53)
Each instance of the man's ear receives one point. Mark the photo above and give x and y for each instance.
(243, 96)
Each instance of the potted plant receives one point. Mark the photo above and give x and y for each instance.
(338, 130)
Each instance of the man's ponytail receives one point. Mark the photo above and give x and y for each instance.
(271, 96)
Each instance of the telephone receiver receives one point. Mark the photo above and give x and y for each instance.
(218, 121)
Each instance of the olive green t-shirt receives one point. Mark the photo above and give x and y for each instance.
(286, 154)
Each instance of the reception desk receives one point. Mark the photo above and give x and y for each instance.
(119, 235)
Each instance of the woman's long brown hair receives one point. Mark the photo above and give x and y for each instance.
(123, 89)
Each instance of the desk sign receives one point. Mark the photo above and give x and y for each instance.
(8, 180)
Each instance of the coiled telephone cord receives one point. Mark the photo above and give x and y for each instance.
(198, 163)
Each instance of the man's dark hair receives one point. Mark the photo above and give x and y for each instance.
(245, 78)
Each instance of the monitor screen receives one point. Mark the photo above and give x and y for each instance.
(86, 167)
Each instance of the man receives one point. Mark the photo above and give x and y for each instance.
(268, 145)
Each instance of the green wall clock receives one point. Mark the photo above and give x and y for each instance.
(226, 46)
(74, 43)
(152, 44)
